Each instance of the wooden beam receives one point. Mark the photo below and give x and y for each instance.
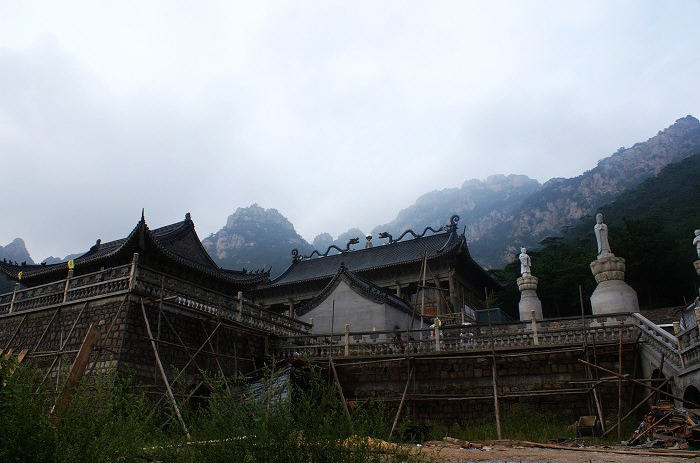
(76, 372)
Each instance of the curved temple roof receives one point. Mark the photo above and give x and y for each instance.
(176, 242)
(378, 257)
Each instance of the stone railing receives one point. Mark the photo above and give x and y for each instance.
(689, 345)
(558, 332)
(73, 289)
(659, 339)
(148, 283)
(178, 292)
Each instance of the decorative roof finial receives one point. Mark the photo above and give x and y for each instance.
(143, 215)
(351, 241)
(295, 254)
(368, 244)
(188, 217)
(453, 223)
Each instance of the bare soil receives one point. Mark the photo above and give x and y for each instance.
(450, 453)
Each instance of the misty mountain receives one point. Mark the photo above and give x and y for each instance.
(254, 238)
(650, 225)
(57, 260)
(503, 213)
(499, 214)
(16, 251)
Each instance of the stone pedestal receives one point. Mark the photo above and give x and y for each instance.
(527, 284)
(612, 295)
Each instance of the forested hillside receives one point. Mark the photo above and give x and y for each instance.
(651, 226)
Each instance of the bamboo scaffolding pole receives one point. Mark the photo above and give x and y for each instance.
(19, 325)
(339, 388)
(62, 346)
(163, 375)
(177, 335)
(619, 389)
(216, 358)
(46, 329)
(494, 373)
(458, 398)
(403, 399)
(642, 402)
(76, 372)
(634, 440)
(450, 356)
(203, 351)
(658, 389)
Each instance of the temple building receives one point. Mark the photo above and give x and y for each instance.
(153, 306)
(454, 282)
(173, 249)
(349, 300)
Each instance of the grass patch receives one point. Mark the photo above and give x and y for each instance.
(110, 420)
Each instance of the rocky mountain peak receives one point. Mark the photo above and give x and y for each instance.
(253, 237)
(254, 214)
(16, 250)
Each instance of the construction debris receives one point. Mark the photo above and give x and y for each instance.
(667, 426)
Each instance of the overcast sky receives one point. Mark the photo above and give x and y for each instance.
(338, 114)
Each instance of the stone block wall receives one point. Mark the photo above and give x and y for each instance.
(454, 378)
(126, 348)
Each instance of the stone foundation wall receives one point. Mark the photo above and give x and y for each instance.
(238, 351)
(471, 377)
(24, 330)
(126, 348)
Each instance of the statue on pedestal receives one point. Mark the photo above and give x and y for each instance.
(696, 242)
(601, 235)
(527, 285)
(525, 262)
(612, 295)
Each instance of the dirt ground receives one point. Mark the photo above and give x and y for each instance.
(500, 454)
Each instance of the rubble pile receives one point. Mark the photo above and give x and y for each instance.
(668, 426)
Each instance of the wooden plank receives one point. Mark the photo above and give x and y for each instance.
(76, 372)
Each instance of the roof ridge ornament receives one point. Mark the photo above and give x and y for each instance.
(452, 226)
(350, 242)
(96, 246)
(384, 235)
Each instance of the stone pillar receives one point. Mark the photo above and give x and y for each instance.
(529, 302)
(612, 294)
(697, 266)
(291, 308)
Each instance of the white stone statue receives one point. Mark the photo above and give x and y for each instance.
(601, 235)
(696, 242)
(525, 262)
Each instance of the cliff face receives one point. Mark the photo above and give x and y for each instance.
(16, 251)
(255, 237)
(486, 209)
(561, 202)
(505, 212)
